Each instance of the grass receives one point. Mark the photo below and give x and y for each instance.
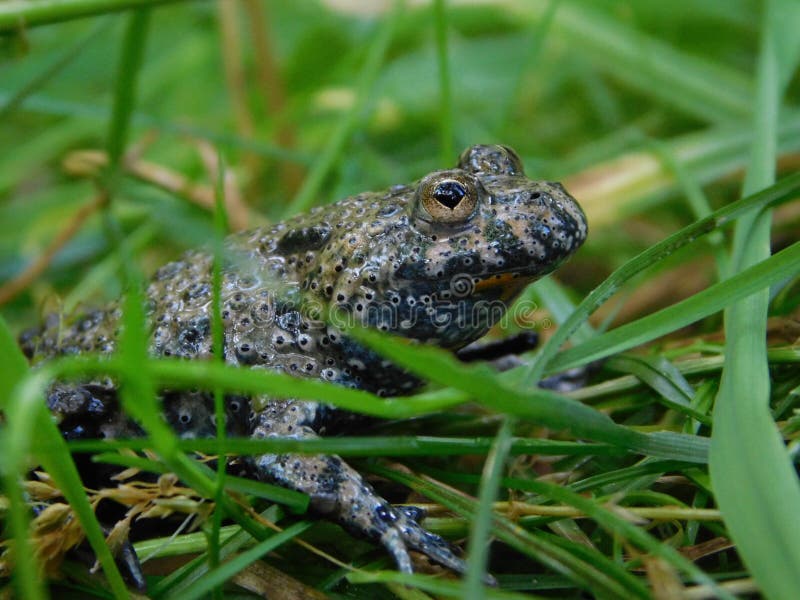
(676, 129)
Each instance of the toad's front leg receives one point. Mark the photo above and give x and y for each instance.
(339, 492)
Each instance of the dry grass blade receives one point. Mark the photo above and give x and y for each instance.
(90, 163)
(269, 582)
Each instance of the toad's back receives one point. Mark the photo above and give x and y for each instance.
(436, 261)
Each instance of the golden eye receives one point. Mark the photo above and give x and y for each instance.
(448, 196)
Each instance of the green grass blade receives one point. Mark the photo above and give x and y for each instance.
(13, 367)
(480, 529)
(339, 138)
(403, 446)
(440, 587)
(705, 90)
(27, 419)
(50, 71)
(138, 389)
(535, 405)
(685, 312)
(613, 522)
(606, 581)
(754, 481)
(219, 575)
(345, 446)
(172, 585)
(783, 191)
(218, 349)
(31, 428)
(21, 411)
(130, 62)
(446, 139)
(602, 480)
(22, 14)
(659, 374)
(532, 404)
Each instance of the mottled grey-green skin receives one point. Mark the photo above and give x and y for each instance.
(376, 258)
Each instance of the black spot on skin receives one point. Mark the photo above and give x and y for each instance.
(384, 514)
(196, 290)
(193, 334)
(389, 210)
(304, 240)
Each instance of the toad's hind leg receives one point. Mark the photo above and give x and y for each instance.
(339, 492)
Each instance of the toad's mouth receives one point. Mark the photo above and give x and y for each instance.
(497, 280)
(510, 283)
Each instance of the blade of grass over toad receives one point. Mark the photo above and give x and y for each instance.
(178, 374)
(218, 346)
(782, 191)
(137, 393)
(54, 456)
(705, 303)
(31, 428)
(138, 397)
(19, 15)
(754, 480)
(138, 387)
(23, 416)
(14, 439)
(534, 404)
(603, 577)
(493, 468)
(445, 87)
(339, 138)
(138, 390)
(354, 446)
(139, 400)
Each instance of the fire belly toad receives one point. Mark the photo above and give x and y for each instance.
(436, 261)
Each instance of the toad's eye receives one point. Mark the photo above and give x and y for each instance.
(447, 196)
(449, 193)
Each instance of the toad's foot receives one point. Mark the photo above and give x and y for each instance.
(339, 492)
